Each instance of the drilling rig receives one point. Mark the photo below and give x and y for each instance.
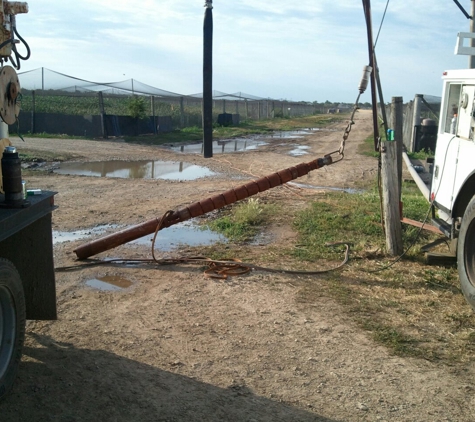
(27, 283)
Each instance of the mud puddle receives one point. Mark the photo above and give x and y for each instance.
(245, 144)
(299, 150)
(109, 283)
(168, 170)
(64, 236)
(186, 233)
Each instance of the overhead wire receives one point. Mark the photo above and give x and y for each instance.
(381, 24)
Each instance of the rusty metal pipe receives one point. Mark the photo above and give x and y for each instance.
(202, 207)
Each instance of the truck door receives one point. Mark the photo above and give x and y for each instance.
(466, 133)
(451, 128)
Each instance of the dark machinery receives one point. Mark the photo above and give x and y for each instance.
(27, 283)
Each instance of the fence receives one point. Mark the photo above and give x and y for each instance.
(55, 103)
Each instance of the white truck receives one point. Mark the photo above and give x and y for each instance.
(453, 181)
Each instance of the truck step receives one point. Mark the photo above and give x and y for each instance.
(443, 226)
(434, 258)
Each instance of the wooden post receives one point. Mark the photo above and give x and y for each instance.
(103, 115)
(397, 125)
(392, 217)
(247, 108)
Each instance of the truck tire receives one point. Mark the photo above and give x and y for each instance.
(466, 254)
(12, 324)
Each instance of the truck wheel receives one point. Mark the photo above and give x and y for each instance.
(466, 254)
(12, 324)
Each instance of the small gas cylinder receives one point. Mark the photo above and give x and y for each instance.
(11, 174)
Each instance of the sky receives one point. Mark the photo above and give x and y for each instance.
(307, 50)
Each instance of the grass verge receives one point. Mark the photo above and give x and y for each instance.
(413, 309)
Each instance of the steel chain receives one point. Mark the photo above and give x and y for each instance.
(348, 128)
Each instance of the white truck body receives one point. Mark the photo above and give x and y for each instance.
(453, 181)
(454, 163)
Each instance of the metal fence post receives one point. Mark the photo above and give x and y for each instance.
(103, 115)
(397, 125)
(182, 113)
(152, 104)
(33, 103)
(416, 121)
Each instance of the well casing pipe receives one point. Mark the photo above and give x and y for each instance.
(201, 207)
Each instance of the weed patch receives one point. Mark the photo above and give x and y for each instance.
(243, 221)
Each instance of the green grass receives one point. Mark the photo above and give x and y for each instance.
(51, 135)
(27, 155)
(367, 147)
(243, 221)
(341, 216)
(412, 309)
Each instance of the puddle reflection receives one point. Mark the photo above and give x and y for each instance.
(185, 233)
(245, 144)
(299, 150)
(63, 236)
(109, 283)
(168, 170)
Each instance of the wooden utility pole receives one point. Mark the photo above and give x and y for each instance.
(391, 190)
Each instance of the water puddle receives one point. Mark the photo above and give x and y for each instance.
(305, 186)
(109, 283)
(245, 144)
(220, 147)
(62, 236)
(299, 150)
(185, 233)
(168, 170)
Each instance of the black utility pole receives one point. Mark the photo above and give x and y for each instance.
(208, 80)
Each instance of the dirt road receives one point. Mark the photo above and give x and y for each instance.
(177, 346)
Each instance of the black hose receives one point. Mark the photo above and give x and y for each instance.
(28, 51)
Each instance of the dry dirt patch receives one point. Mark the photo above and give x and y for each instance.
(178, 346)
